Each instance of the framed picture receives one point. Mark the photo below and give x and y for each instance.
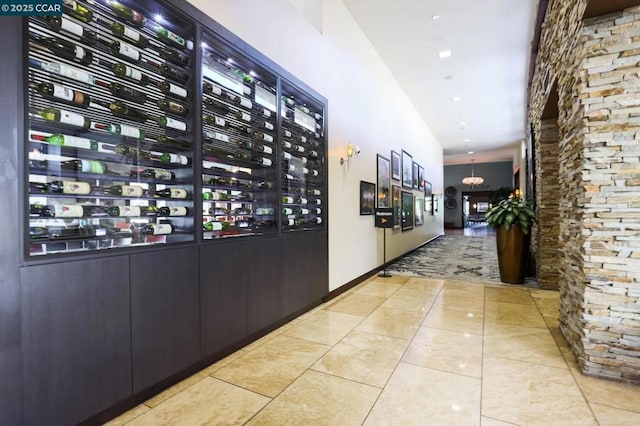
(396, 196)
(407, 170)
(420, 177)
(483, 206)
(415, 175)
(367, 198)
(428, 198)
(384, 180)
(395, 166)
(407, 210)
(435, 201)
(419, 206)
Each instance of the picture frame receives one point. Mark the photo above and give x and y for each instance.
(420, 177)
(415, 175)
(407, 211)
(367, 198)
(407, 170)
(396, 173)
(483, 206)
(435, 201)
(428, 198)
(419, 208)
(396, 195)
(383, 194)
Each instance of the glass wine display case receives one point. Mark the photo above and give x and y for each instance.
(110, 127)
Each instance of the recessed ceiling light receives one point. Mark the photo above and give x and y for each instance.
(448, 77)
(463, 123)
(456, 98)
(444, 54)
(435, 17)
(469, 152)
(467, 140)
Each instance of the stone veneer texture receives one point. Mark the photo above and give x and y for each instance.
(596, 66)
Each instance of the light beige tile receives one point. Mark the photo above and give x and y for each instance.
(538, 293)
(530, 394)
(423, 286)
(508, 295)
(451, 317)
(488, 421)
(401, 279)
(461, 298)
(363, 357)
(378, 288)
(553, 325)
(514, 314)
(129, 416)
(326, 327)
(410, 302)
(609, 416)
(464, 285)
(608, 392)
(548, 307)
(534, 345)
(445, 350)
(319, 399)
(356, 304)
(209, 401)
(271, 367)
(392, 322)
(421, 396)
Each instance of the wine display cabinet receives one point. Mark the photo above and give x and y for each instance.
(110, 128)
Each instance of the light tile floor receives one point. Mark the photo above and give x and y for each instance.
(403, 351)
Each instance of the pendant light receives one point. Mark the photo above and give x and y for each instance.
(472, 180)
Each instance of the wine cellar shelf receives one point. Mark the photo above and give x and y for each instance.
(124, 96)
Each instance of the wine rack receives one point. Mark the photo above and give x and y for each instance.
(239, 182)
(302, 172)
(110, 127)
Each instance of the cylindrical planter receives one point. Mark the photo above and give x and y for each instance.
(513, 250)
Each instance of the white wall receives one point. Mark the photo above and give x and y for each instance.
(366, 107)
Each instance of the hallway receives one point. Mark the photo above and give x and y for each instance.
(403, 350)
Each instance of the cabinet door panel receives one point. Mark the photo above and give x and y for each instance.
(164, 314)
(265, 283)
(76, 339)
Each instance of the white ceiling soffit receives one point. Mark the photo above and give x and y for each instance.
(490, 49)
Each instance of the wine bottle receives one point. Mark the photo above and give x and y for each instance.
(241, 115)
(302, 211)
(67, 50)
(264, 211)
(287, 211)
(68, 187)
(85, 166)
(217, 211)
(77, 10)
(214, 120)
(122, 110)
(36, 210)
(266, 125)
(262, 161)
(213, 105)
(64, 71)
(313, 154)
(64, 94)
(68, 141)
(125, 71)
(171, 71)
(173, 107)
(156, 229)
(215, 196)
(263, 136)
(172, 89)
(65, 117)
(124, 130)
(174, 56)
(214, 226)
(239, 100)
(287, 200)
(125, 190)
(211, 89)
(286, 155)
(61, 23)
(132, 151)
(73, 211)
(173, 211)
(169, 158)
(171, 123)
(166, 140)
(124, 92)
(126, 13)
(128, 34)
(171, 37)
(124, 211)
(298, 148)
(125, 51)
(156, 174)
(263, 148)
(38, 232)
(170, 193)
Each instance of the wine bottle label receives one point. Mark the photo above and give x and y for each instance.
(216, 226)
(315, 191)
(132, 73)
(286, 156)
(287, 133)
(68, 210)
(313, 153)
(288, 176)
(176, 124)
(212, 195)
(318, 201)
(178, 159)
(292, 168)
(287, 210)
(175, 38)
(314, 173)
(178, 193)
(216, 90)
(318, 220)
(62, 92)
(305, 170)
(131, 34)
(129, 51)
(304, 160)
(290, 222)
(303, 139)
(267, 149)
(71, 187)
(303, 201)
(90, 166)
(267, 137)
(177, 211)
(318, 211)
(162, 174)
(264, 210)
(220, 121)
(300, 148)
(68, 117)
(70, 72)
(218, 136)
(132, 191)
(77, 142)
(246, 103)
(268, 125)
(304, 211)
(177, 90)
(287, 200)
(71, 27)
(265, 162)
(79, 52)
(287, 144)
(130, 131)
(266, 113)
(129, 211)
(161, 229)
(244, 116)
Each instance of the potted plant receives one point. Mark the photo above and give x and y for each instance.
(513, 219)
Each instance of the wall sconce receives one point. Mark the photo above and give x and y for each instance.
(351, 151)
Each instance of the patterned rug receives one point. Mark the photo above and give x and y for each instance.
(454, 257)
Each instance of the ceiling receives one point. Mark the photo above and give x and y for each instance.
(490, 42)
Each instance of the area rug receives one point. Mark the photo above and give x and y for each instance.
(456, 257)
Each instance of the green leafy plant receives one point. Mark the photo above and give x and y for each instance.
(512, 211)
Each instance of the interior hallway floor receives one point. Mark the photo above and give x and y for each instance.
(403, 350)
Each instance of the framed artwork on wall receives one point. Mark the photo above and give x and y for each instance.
(407, 170)
(384, 180)
(415, 175)
(419, 215)
(436, 202)
(420, 177)
(397, 216)
(367, 198)
(407, 210)
(396, 174)
(428, 198)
